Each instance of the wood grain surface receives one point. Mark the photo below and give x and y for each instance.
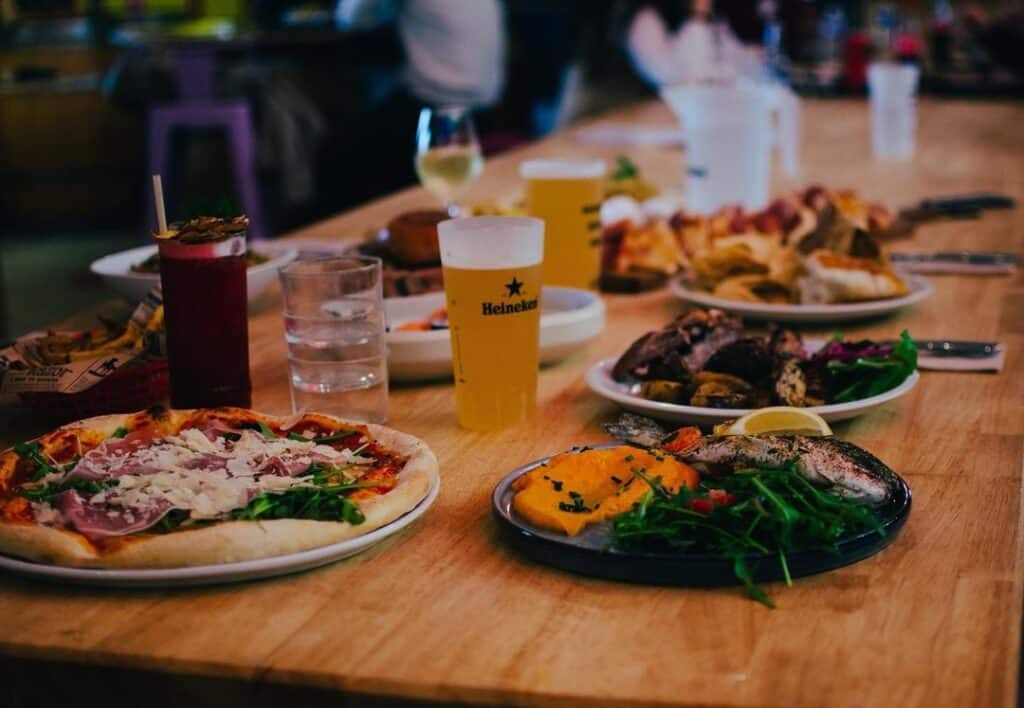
(444, 612)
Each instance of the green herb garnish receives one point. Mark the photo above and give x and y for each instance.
(624, 168)
(32, 452)
(85, 487)
(763, 511)
(316, 503)
(869, 376)
(119, 432)
(577, 506)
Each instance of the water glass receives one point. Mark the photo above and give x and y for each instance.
(729, 136)
(334, 327)
(893, 89)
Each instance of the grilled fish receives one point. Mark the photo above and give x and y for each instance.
(836, 465)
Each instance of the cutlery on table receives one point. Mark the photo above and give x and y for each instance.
(959, 257)
(957, 348)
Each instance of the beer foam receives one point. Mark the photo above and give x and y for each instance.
(491, 242)
(562, 169)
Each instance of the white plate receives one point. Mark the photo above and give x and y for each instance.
(600, 380)
(226, 572)
(569, 319)
(117, 274)
(920, 289)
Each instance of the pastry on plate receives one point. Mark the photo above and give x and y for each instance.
(834, 278)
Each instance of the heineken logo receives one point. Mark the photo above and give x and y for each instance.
(514, 288)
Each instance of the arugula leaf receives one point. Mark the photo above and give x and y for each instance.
(33, 453)
(334, 437)
(869, 376)
(85, 487)
(316, 503)
(763, 511)
(266, 431)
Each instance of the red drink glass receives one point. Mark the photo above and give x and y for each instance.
(203, 277)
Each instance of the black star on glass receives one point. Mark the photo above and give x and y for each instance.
(514, 288)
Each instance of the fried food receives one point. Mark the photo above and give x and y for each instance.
(835, 278)
(753, 288)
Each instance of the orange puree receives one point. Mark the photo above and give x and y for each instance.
(576, 489)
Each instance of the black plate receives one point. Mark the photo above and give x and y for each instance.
(590, 552)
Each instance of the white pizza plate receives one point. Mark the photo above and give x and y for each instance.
(116, 270)
(569, 319)
(226, 572)
(600, 380)
(920, 289)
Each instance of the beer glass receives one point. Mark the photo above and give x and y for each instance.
(492, 283)
(567, 195)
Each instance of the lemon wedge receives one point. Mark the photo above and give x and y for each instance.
(780, 419)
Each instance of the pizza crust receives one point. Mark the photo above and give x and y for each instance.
(230, 541)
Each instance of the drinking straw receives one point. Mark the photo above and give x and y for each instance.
(158, 199)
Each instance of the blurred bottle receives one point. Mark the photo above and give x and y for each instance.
(907, 45)
(776, 67)
(855, 66)
(832, 30)
(942, 36)
(884, 26)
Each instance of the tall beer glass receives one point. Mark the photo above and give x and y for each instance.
(492, 283)
(567, 195)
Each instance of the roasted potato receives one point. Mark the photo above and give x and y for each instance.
(714, 390)
(664, 391)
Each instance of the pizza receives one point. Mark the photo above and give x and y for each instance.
(173, 488)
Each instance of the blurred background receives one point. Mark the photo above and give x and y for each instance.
(292, 111)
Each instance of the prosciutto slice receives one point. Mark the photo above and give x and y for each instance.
(99, 521)
(113, 458)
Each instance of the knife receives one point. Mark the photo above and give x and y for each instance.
(958, 348)
(967, 206)
(962, 257)
(982, 200)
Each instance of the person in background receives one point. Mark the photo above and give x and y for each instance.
(703, 50)
(454, 56)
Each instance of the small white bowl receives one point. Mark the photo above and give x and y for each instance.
(116, 270)
(569, 319)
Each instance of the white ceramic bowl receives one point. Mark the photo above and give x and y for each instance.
(569, 319)
(116, 270)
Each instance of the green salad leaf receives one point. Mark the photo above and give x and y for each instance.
(868, 376)
(32, 452)
(761, 511)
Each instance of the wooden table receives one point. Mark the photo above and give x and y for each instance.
(445, 612)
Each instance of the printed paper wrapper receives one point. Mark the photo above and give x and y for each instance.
(24, 368)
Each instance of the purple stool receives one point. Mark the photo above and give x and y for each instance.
(197, 107)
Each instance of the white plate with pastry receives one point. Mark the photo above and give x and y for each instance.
(918, 289)
(419, 347)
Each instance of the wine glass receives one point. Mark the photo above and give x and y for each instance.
(448, 157)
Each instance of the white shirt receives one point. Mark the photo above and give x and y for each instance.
(699, 52)
(455, 49)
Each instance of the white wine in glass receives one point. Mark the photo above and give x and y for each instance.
(448, 157)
